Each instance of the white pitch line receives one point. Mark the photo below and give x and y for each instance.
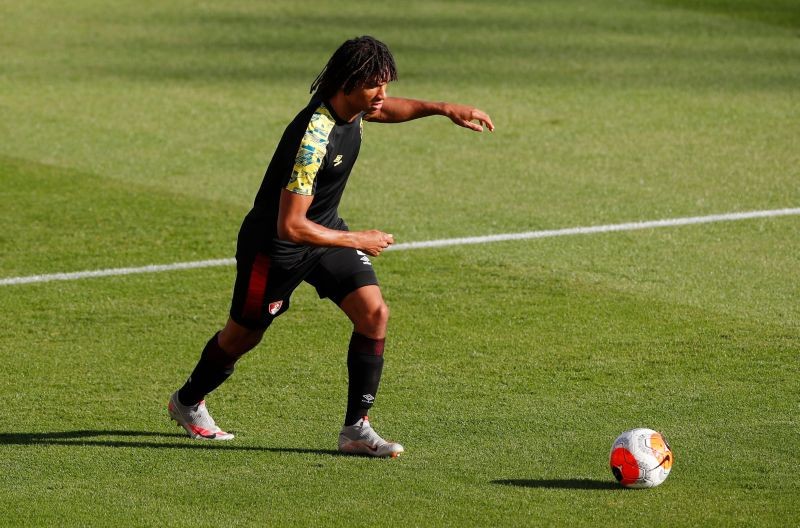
(153, 268)
(630, 226)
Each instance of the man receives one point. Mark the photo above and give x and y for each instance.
(293, 233)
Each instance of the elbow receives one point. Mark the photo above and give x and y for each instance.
(288, 233)
(284, 233)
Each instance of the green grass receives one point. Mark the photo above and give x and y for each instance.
(137, 134)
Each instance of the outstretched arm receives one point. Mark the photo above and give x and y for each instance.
(399, 109)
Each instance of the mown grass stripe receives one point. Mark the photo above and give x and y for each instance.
(629, 226)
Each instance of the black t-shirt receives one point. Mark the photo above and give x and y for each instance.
(314, 157)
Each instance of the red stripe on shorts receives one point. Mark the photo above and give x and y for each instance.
(256, 288)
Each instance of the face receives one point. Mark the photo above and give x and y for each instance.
(367, 97)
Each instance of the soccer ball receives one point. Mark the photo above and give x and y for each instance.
(641, 458)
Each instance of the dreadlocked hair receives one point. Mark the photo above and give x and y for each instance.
(357, 62)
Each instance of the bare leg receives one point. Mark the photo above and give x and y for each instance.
(368, 312)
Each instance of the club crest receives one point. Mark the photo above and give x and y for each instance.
(274, 307)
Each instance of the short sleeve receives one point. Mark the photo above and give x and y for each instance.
(312, 151)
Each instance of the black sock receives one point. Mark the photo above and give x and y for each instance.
(364, 366)
(214, 367)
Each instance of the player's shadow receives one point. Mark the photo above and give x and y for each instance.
(575, 483)
(123, 438)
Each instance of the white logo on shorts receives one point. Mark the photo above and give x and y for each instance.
(364, 258)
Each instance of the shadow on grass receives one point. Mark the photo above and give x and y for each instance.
(577, 483)
(122, 438)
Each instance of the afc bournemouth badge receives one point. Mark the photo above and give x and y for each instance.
(274, 307)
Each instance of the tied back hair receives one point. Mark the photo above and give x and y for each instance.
(357, 62)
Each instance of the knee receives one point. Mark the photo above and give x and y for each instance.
(382, 314)
(375, 319)
(240, 345)
(236, 340)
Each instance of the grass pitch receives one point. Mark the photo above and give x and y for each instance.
(137, 134)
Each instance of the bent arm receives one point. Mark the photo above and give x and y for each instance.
(399, 109)
(294, 226)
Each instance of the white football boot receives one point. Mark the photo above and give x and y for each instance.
(196, 420)
(361, 439)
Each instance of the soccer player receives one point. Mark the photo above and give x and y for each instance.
(293, 233)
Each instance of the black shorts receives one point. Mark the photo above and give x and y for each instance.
(263, 289)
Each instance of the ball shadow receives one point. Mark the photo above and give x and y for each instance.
(577, 483)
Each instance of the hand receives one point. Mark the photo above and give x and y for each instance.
(464, 116)
(373, 242)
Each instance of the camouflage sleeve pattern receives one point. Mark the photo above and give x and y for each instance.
(311, 152)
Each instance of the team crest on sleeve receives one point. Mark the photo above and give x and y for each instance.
(274, 307)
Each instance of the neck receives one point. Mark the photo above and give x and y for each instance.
(340, 105)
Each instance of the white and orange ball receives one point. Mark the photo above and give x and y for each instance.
(641, 458)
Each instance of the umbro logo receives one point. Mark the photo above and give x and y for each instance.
(368, 398)
(338, 160)
(364, 258)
